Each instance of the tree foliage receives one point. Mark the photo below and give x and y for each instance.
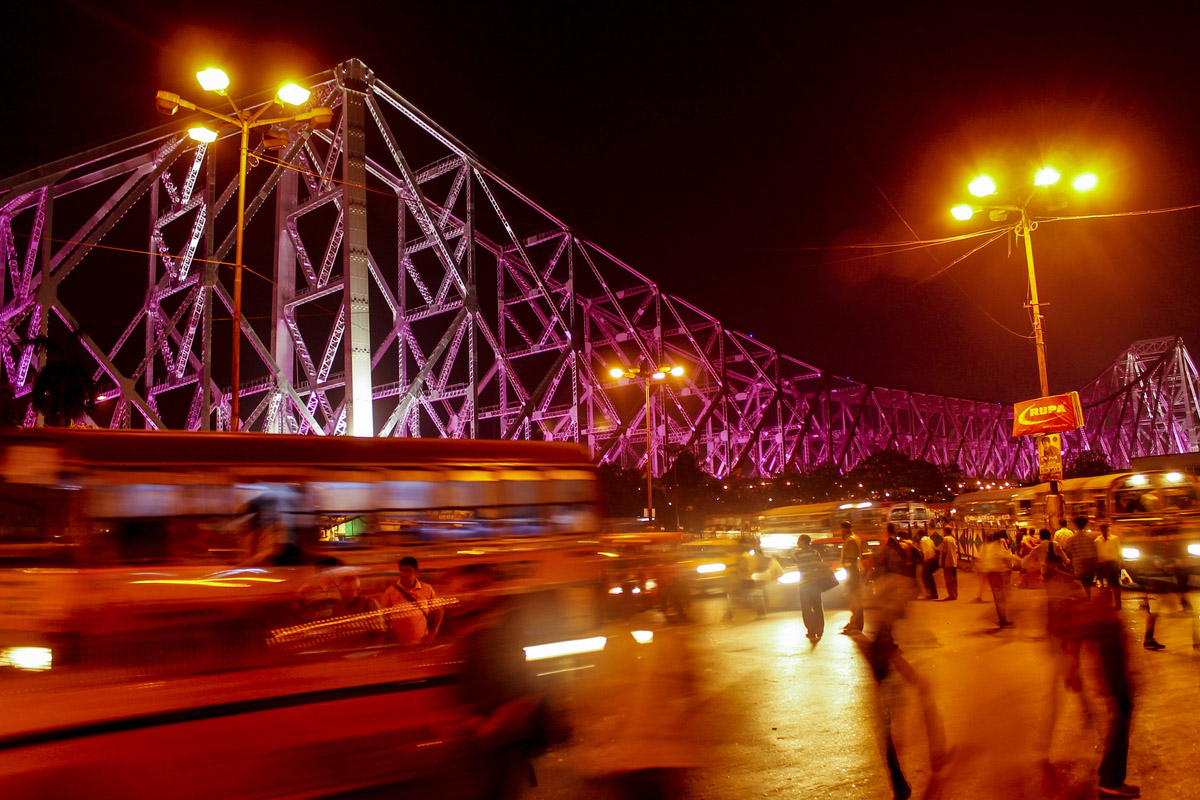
(1085, 464)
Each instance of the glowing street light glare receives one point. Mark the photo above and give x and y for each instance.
(293, 94)
(1046, 176)
(202, 134)
(677, 371)
(962, 213)
(213, 79)
(982, 186)
(1085, 182)
(617, 372)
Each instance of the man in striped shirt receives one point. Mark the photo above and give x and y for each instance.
(809, 562)
(1081, 550)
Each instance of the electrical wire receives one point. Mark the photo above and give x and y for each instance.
(1114, 214)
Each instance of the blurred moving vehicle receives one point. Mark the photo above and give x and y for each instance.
(170, 621)
(710, 564)
(779, 527)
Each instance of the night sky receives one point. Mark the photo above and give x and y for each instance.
(731, 151)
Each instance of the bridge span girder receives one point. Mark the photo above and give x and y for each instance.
(398, 286)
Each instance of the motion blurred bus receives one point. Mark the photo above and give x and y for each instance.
(779, 527)
(165, 608)
(1155, 513)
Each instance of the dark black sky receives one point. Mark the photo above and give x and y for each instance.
(708, 143)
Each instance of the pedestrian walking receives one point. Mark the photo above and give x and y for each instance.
(813, 581)
(996, 562)
(851, 554)
(1108, 564)
(929, 565)
(1095, 623)
(948, 558)
(1081, 550)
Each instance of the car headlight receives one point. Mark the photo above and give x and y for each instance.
(789, 577)
(1131, 553)
(705, 569)
(616, 590)
(1194, 549)
(651, 584)
(841, 574)
(31, 658)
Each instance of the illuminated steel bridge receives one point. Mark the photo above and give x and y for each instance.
(398, 286)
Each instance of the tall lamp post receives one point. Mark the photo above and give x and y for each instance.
(984, 187)
(290, 94)
(659, 374)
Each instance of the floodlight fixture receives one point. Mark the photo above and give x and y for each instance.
(1046, 176)
(982, 186)
(962, 212)
(1085, 182)
(213, 79)
(203, 133)
(293, 94)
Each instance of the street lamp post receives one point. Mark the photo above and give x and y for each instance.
(659, 374)
(290, 94)
(983, 186)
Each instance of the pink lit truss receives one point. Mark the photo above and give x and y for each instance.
(398, 286)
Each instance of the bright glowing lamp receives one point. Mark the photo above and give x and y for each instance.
(293, 94)
(213, 79)
(1046, 176)
(202, 134)
(659, 375)
(1085, 182)
(1130, 553)
(982, 186)
(962, 213)
(617, 372)
(1194, 549)
(677, 371)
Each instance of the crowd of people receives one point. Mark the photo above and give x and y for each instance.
(1079, 571)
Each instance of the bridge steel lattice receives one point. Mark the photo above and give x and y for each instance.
(407, 289)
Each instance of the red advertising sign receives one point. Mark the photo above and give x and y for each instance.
(1059, 412)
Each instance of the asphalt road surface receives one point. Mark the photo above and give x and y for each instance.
(751, 709)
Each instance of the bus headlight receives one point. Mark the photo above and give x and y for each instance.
(1131, 553)
(31, 658)
(1194, 549)
(789, 577)
(705, 569)
(841, 575)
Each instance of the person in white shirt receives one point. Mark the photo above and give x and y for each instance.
(1108, 563)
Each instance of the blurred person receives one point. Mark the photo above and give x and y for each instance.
(895, 587)
(1081, 550)
(812, 570)
(1108, 563)
(996, 562)
(1095, 623)
(416, 619)
(350, 599)
(851, 554)
(948, 558)
(929, 565)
